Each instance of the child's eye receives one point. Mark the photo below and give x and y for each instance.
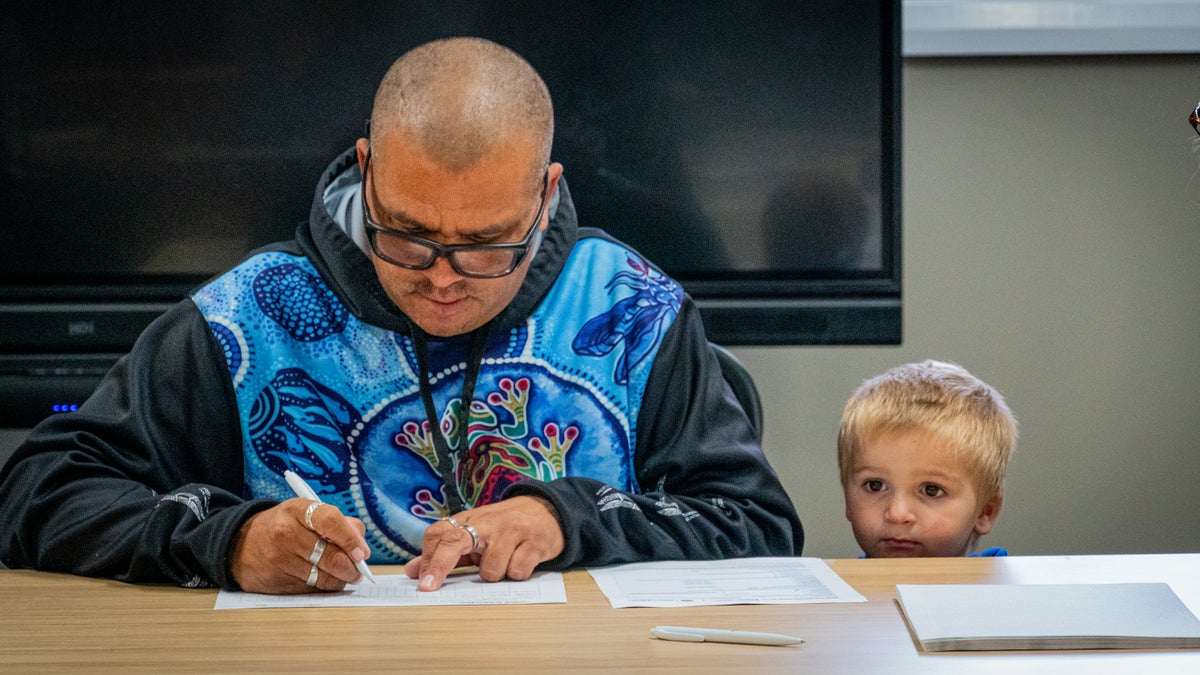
(931, 490)
(874, 485)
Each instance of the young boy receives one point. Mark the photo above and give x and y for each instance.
(922, 451)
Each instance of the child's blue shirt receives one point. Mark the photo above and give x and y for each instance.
(994, 552)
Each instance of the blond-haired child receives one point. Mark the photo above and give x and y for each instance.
(922, 451)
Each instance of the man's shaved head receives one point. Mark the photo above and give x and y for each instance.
(460, 98)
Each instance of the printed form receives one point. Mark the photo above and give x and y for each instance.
(740, 581)
(397, 590)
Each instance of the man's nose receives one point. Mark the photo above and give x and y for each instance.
(442, 274)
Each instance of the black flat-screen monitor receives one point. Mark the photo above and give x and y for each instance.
(751, 150)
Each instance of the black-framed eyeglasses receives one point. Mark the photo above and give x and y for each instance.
(480, 261)
(1195, 119)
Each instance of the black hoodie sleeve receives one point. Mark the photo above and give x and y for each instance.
(144, 482)
(707, 489)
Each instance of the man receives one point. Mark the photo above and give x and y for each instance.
(441, 278)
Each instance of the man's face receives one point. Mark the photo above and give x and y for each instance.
(909, 495)
(493, 202)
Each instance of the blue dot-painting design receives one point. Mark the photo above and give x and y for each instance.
(234, 346)
(299, 302)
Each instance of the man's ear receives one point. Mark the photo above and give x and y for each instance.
(362, 145)
(988, 514)
(553, 173)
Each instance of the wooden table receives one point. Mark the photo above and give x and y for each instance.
(62, 623)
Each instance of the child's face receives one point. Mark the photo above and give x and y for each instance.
(908, 496)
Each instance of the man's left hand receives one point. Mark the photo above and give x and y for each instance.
(514, 536)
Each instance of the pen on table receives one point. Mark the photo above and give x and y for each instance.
(686, 634)
(303, 491)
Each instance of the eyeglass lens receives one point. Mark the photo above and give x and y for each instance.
(408, 253)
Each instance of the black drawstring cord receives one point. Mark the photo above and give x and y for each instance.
(447, 462)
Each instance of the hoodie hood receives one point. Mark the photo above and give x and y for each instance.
(335, 240)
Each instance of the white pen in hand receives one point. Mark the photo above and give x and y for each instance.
(303, 491)
(685, 634)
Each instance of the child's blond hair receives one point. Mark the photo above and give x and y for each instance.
(936, 397)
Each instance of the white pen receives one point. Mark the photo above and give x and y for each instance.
(685, 634)
(303, 491)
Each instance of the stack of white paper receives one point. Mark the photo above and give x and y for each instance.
(1048, 616)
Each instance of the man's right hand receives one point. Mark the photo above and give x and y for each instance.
(273, 547)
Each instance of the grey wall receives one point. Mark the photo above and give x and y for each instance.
(1051, 246)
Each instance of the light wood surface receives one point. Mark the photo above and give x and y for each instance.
(62, 623)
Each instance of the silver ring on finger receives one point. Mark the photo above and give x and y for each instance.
(312, 577)
(474, 536)
(308, 514)
(317, 552)
(470, 530)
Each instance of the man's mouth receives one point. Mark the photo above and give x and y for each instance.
(446, 302)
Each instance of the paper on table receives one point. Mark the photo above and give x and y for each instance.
(397, 590)
(1047, 616)
(739, 581)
